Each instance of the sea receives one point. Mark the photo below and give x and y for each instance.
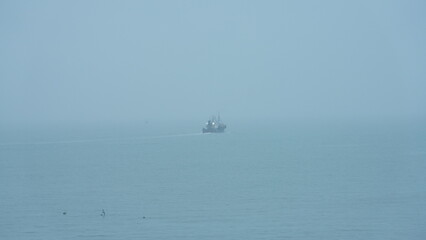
(255, 181)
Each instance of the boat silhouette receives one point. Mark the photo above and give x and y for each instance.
(214, 125)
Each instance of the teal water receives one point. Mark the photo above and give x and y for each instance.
(363, 181)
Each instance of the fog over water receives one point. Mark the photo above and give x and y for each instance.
(135, 61)
(102, 105)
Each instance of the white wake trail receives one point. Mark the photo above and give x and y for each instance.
(102, 139)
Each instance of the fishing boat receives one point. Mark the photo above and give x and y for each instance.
(214, 125)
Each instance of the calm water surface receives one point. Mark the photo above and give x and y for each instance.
(317, 182)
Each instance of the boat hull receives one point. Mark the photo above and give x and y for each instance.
(213, 130)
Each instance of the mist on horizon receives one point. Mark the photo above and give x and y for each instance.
(144, 61)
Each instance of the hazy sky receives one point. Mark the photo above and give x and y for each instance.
(128, 61)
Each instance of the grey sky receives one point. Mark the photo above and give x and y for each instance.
(127, 61)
